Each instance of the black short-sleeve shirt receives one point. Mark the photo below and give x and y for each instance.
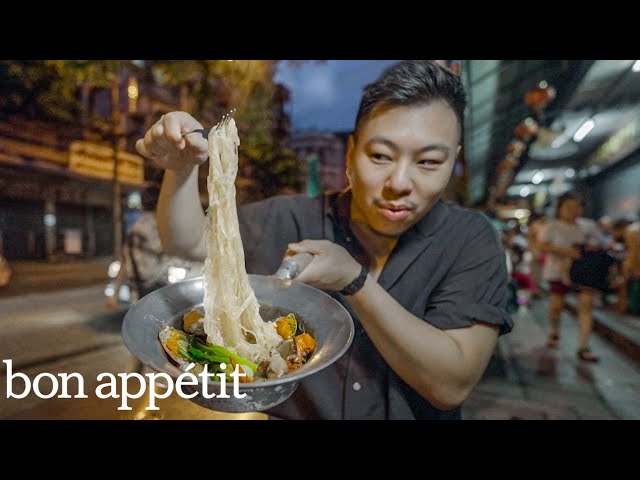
(448, 269)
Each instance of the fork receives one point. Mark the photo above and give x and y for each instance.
(223, 121)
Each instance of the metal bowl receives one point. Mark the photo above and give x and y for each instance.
(324, 317)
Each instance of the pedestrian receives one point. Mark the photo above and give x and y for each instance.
(561, 239)
(144, 265)
(629, 291)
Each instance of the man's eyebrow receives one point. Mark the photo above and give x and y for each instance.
(385, 141)
(436, 146)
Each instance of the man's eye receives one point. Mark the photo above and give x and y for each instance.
(379, 157)
(429, 162)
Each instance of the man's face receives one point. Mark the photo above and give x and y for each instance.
(400, 165)
(570, 210)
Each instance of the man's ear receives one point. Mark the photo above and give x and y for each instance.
(458, 151)
(351, 146)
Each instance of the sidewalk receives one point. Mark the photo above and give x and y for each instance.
(525, 379)
(30, 276)
(621, 330)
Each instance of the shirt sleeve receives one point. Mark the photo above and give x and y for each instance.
(475, 288)
(544, 235)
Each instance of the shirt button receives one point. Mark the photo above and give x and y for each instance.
(348, 239)
(357, 386)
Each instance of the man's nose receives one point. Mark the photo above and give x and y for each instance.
(399, 180)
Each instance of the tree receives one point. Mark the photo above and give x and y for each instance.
(267, 167)
(34, 89)
(49, 90)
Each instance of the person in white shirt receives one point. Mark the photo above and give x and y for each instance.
(560, 240)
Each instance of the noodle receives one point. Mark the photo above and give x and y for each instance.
(231, 309)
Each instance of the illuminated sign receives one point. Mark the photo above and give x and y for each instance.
(95, 160)
(617, 146)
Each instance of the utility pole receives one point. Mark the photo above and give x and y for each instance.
(116, 138)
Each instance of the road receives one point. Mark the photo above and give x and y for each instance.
(38, 276)
(71, 331)
(527, 380)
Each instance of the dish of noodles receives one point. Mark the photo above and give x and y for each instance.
(189, 346)
(229, 333)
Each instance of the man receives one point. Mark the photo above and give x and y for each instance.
(425, 280)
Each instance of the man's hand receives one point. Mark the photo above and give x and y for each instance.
(164, 144)
(332, 267)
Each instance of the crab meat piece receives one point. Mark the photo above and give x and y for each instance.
(277, 366)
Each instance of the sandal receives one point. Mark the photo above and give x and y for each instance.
(553, 341)
(585, 355)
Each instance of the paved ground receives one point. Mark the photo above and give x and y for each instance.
(527, 380)
(72, 331)
(37, 276)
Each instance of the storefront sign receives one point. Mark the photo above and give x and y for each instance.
(95, 160)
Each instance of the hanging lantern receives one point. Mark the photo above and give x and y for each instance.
(516, 148)
(526, 129)
(538, 98)
(508, 163)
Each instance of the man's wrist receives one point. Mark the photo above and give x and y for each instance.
(357, 283)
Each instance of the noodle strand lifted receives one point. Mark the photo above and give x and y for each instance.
(231, 309)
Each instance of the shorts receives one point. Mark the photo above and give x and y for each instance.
(523, 280)
(559, 288)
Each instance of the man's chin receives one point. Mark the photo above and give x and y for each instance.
(393, 230)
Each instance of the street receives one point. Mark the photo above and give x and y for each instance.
(527, 380)
(38, 276)
(72, 331)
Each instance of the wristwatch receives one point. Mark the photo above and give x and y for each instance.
(357, 284)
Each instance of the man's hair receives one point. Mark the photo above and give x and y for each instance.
(620, 224)
(565, 197)
(413, 82)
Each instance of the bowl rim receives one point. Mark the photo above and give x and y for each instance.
(299, 374)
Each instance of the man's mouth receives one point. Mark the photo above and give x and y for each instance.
(395, 213)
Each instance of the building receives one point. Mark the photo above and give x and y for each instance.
(56, 178)
(57, 186)
(330, 148)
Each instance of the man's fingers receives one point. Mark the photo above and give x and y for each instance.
(149, 143)
(156, 143)
(196, 141)
(310, 246)
(306, 274)
(142, 149)
(161, 142)
(173, 130)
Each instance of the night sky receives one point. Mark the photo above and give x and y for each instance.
(325, 96)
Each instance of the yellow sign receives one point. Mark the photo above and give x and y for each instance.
(96, 160)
